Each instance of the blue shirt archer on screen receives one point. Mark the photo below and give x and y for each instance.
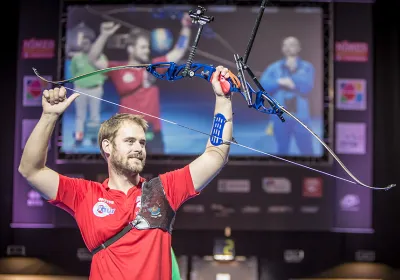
(290, 81)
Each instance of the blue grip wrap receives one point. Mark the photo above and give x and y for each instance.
(217, 129)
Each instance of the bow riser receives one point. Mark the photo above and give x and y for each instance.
(175, 72)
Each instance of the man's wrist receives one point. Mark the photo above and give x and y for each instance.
(50, 117)
(224, 100)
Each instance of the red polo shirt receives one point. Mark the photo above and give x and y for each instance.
(140, 254)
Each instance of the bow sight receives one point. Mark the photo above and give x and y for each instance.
(197, 17)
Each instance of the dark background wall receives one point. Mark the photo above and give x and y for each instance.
(267, 245)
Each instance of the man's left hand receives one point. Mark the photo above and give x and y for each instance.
(186, 20)
(221, 75)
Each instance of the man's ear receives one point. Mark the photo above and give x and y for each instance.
(129, 49)
(106, 145)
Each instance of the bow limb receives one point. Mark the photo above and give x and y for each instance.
(100, 71)
(232, 85)
(333, 153)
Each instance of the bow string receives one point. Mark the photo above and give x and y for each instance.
(235, 84)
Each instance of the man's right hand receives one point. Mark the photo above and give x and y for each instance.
(55, 101)
(109, 28)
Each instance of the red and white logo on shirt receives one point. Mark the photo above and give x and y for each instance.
(138, 204)
(102, 209)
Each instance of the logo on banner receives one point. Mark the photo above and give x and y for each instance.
(38, 48)
(312, 187)
(309, 209)
(351, 138)
(365, 256)
(234, 186)
(193, 208)
(351, 94)
(276, 185)
(351, 51)
(34, 199)
(32, 90)
(293, 256)
(350, 202)
(251, 209)
(222, 210)
(280, 209)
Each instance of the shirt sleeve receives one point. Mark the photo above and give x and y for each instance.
(178, 186)
(71, 192)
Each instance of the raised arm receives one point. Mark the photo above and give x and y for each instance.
(33, 162)
(182, 44)
(106, 30)
(215, 156)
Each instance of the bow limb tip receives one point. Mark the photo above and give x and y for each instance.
(38, 75)
(390, 186)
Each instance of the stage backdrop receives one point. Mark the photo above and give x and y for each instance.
(253, 197)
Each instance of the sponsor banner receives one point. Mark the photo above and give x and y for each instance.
(32, 90)
(351, 138)
(350, 203)
(309, 209)
(234, 186)
(30, 209)
(312, 187)
(353, 116)
(193, 208)
(34, 48)
(276, 185)
(351, 51)
(351, 94)
(364, 256)
(293, 256)
(353, 206)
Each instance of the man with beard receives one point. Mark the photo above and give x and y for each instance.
(134, 85)
(126, 221)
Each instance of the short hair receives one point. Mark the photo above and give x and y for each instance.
(135, 34)
(109, 128)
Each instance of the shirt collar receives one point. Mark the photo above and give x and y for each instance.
(105, 183)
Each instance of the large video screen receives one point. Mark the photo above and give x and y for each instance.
(287, 57)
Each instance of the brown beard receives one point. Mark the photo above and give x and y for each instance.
(124, 167)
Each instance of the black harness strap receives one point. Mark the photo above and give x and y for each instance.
(114, 239)
(155, 213)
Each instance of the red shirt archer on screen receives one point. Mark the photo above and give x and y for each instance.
(133, 84)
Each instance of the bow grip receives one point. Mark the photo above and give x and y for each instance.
(225, 83)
